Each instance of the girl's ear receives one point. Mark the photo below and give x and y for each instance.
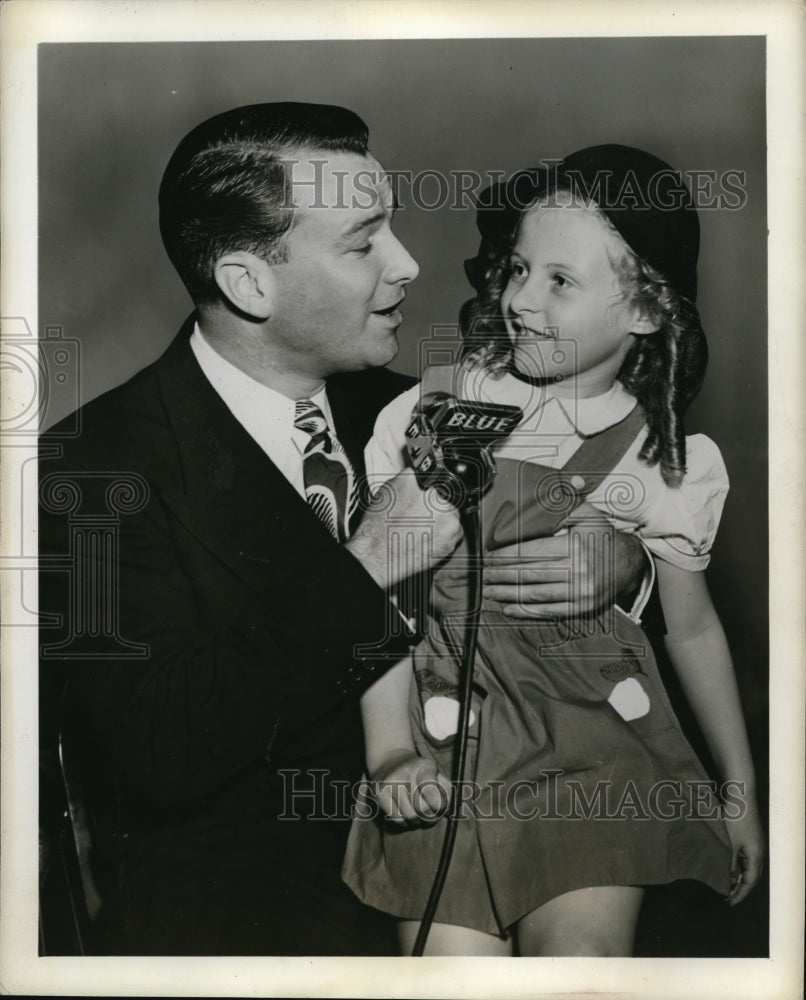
(644, 322)
(247, 282)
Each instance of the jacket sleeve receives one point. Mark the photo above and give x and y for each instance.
(216, 674)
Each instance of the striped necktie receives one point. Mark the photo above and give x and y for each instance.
(328, 476)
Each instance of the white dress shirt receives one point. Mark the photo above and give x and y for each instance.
(265, 414)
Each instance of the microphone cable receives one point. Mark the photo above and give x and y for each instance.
(449, 443)
(471, 522)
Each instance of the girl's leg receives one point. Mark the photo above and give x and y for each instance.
(447, 939)
(599, 920)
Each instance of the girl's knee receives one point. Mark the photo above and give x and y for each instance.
(574, 944)
(591, 946)
(598, 922)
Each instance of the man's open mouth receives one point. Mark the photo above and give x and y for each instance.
(389, 309)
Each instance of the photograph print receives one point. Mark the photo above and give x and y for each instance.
(402, 497)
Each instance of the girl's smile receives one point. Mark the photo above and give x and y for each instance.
(567, 316)
(521, 330)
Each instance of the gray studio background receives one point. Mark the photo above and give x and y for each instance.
(111, 114)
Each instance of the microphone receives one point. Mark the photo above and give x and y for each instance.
(449, 442)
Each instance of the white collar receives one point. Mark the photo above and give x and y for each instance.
(587, 416)
(266, 414)
(595, 414)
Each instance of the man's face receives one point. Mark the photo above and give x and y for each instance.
(337, 296)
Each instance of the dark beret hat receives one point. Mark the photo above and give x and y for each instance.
(644, 198)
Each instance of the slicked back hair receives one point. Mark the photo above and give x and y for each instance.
(227, 185)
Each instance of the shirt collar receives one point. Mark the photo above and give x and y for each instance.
(586, 416)
(265, 413)
(596, 413)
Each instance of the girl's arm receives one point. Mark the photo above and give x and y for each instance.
(409, 788)
(699, 652)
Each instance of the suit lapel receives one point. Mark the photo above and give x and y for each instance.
(234, 500)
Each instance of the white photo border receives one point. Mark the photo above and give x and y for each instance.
(24, 26)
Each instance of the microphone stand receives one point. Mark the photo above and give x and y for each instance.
(475, 478)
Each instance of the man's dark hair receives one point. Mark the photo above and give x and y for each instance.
(227, 187)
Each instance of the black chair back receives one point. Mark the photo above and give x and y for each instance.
(69, 898)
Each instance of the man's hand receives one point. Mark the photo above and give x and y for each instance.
(406, 531)
(411, 790)
(567, 576)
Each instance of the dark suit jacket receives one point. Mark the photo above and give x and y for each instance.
(211, 624)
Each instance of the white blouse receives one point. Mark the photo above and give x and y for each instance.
(677, 525)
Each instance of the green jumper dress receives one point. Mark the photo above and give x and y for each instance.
(578, 771)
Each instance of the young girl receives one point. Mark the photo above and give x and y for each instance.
(582, 787)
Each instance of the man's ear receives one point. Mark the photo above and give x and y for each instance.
(246, 281)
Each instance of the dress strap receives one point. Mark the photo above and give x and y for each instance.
(528, 500)
(600, 453)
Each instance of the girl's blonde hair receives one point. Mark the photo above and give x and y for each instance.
(663, 370)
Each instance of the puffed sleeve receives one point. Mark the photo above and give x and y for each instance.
(385, 455)
(681, 524)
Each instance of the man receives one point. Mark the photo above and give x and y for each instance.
(220, 637)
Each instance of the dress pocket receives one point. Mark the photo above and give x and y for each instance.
(440, 707)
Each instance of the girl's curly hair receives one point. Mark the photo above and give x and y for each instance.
(663, 370)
